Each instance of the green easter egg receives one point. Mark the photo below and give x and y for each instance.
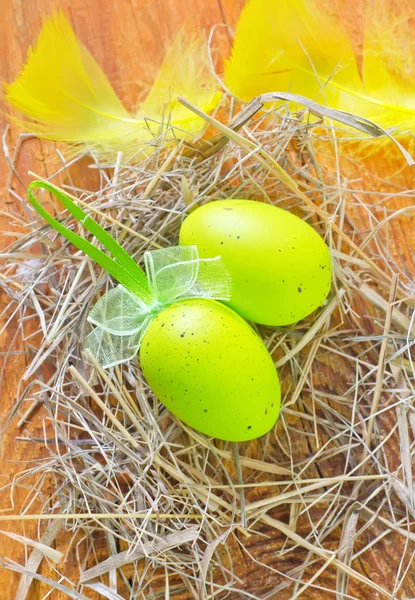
(211, 370)
(280, 266)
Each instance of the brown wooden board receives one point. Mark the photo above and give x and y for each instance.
(127, 37)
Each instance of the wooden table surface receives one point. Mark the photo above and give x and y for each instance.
(127, 37)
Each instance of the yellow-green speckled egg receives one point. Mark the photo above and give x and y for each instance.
(280, 266)
(211, 370)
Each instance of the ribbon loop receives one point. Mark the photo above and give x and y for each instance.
(110, 350)
(171, 272)
(119, 312)
(118, 263)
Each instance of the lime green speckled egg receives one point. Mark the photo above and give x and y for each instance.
(211, 370)
(280, 266)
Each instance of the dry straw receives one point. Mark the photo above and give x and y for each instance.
(158, 510)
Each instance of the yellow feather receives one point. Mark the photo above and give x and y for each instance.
(388, 67)
(185, 72)
(65, 96)
(290, 45)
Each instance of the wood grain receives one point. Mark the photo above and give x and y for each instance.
(128, 38)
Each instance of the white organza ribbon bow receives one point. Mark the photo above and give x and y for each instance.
(121, 318)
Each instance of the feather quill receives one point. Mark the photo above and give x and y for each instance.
(65, 96)
(290, 45)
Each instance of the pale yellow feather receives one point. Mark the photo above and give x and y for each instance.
(290, 45)
(65, 96)
(388, 65)
(185, 72)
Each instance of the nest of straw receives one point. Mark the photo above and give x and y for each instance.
(157, 510)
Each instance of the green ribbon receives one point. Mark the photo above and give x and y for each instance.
(123, 315)
(122, 267)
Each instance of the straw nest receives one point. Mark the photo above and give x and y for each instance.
(157, 510)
